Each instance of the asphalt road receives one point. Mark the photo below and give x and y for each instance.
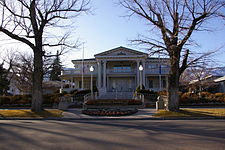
(112, 135)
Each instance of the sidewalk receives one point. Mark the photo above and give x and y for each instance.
(76, 114)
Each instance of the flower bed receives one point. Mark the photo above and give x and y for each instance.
(106, 102)
(94, 112)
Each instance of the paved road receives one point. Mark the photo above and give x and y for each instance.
(112, 135)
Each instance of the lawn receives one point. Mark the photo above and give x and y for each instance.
(195, 112)
(27, 113)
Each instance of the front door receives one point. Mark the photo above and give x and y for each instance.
(122, 84)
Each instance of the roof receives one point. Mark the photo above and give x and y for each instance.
(89, 59)
(121, 49)
(221, 79)
(206, 78)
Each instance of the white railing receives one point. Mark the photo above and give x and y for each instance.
(89, 96)
(79, 71)
(121, 70)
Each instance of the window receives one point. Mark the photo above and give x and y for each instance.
(150, 83)
(152, 66)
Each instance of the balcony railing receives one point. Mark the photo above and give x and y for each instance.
(119, 71)
(71, 72)
(157, 71)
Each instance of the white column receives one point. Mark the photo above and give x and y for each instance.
(143, 73)
(104, 74)
(138, 74)
(99, 74)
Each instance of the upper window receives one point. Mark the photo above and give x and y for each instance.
(122, 68)
(153, 66)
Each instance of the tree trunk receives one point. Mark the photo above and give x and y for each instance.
(37, 97)
(173, 83)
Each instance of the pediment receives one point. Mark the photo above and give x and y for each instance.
(121, 51)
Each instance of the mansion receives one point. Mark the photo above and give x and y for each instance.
(118, 70)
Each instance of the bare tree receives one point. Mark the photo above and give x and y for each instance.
(27, 21)
(20, 69)
(176, 20)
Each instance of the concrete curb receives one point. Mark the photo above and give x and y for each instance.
(107, 118)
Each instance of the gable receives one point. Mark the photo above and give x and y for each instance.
(120, 51)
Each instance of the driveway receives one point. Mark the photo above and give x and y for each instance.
(112, 135)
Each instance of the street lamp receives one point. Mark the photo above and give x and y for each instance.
(141, 69)
(61, 83)
(91, 70)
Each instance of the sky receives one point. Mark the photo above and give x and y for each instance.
(107, 28)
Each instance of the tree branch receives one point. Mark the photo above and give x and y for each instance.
(16, 37)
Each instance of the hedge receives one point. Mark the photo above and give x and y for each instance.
(203, 97)
(48, 99)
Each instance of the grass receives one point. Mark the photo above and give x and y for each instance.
(196, 112)
(26, 113)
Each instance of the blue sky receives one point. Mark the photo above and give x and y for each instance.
(106, 28)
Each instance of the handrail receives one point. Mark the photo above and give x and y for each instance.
(89, 96)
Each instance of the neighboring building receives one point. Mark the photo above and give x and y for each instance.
(117, 70)
(213, 82)
(13, 90)
(221, 82)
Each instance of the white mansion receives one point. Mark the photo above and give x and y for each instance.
(118, 70)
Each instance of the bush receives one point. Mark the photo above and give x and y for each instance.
(139, 88)
(21, 99)
(52, 98)
(15, 100)
(73, 91)
(84, 92)
(203, 97)
(4, 100)
(220, 97)
(163, 93)
(188, 97)
(95, 89)
(206, 95)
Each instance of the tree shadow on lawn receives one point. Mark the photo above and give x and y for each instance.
(26, 113)
(197, 113)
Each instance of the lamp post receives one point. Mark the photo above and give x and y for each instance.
(91, 70)
(61, 83)
(140, 69)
